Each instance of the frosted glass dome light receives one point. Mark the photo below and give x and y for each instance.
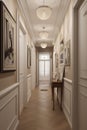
(43, 12)
(43, 35)
(43, 45)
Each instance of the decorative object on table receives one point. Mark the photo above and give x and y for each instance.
(67, 53)
(7, 40)
(28, 57)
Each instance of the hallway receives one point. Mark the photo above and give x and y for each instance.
(43, 42)
(38, 113)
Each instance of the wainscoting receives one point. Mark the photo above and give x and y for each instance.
(82, 103)
(29, 87)
(67, 100)
(9, 108)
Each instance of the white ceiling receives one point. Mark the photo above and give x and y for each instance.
(52, 25)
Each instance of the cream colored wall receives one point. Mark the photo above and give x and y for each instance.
(12, 6)
(66, 34)
(26, 85)
(7, 79)
(28, 40)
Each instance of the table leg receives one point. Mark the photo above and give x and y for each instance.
(53, 96)
(61, 97)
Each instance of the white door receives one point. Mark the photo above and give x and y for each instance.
(44, 68)
(21, 70)
(82, 67)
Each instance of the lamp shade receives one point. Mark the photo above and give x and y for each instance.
(43, 12)
(43, 45)
(43, 35)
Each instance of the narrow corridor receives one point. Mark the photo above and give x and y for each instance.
(38, 113)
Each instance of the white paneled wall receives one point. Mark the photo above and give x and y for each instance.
(67, 100)
(9, 108)
(29, 87)
(82, 67)
(33, 66)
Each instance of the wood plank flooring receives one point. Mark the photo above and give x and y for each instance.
(38, 113)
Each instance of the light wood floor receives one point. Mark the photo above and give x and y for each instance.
(38, 113)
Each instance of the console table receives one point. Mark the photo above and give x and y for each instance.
(57, 84)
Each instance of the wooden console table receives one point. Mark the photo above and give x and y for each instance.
(57, 84)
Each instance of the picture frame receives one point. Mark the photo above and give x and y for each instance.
(62, 57)
(28, 57)
(67, 53)
(7, 40)
(61, 52)
(56, 60)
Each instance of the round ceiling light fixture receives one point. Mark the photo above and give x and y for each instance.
(44, 12)
(43, 45)
(43, 35)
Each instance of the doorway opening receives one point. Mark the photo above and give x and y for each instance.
(44, 70)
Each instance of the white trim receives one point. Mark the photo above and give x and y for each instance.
(13, 120)
(6, 103)
(7, 90)
(25, 16)
(29, 75)
(15, 128)
(82, 85)
(67, 105)
(68, 80)
(75, 116)
(82, 94)
(67, 117)
(84, 78)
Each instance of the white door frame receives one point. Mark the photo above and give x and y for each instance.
(19, 26)
(76, 6)
(44, 64)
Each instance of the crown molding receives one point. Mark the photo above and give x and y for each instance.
(23, 8)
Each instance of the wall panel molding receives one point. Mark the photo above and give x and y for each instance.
(7, 90)
(67, 100)
(29, 87)
(9, 108)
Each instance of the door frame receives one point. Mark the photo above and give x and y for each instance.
(19, 26)
(44, 64)
(75, 117)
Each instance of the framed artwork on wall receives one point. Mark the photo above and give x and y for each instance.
(62, 52)
(7, 40)
(56, 60)
(67, 53)
(62, 57)
(28, 57)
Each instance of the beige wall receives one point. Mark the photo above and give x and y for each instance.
(65, 35)
(7, 79)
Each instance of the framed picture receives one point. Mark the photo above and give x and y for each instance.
(61, 52)
(28, 57)
(67, 53)
(7, 40)
(56, 60)
(62, 57)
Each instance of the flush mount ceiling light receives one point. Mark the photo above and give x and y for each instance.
(43, 35)
(43, 12)
(43, 45)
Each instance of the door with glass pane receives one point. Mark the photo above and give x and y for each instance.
(44, 68)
